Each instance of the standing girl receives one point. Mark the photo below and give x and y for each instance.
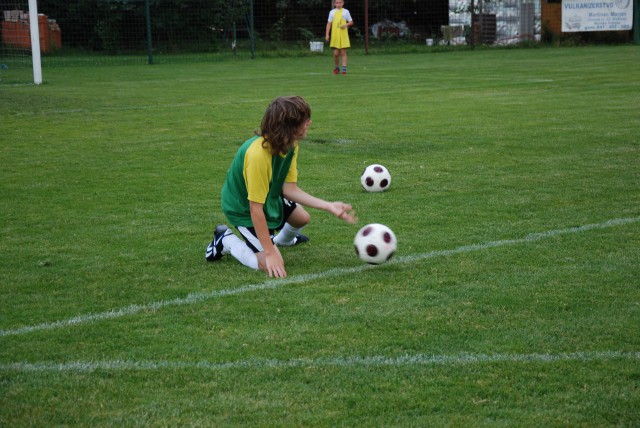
(339, 21)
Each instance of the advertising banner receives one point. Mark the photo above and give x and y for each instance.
(596, 15)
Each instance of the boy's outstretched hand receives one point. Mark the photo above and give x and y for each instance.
(344, 212)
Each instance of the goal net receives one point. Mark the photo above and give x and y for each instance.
(20, 41)
(15, 42)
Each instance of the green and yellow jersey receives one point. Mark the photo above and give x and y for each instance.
(256, 175)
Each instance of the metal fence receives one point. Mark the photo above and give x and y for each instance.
(148, 30)
(124, 27)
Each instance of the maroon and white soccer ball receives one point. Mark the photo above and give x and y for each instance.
(375, 243)
(375, 178)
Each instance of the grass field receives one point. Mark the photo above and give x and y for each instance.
(513, 300)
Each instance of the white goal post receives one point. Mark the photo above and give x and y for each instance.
(35, 42)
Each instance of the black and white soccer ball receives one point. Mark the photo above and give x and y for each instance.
(375, 243)
(375, 178)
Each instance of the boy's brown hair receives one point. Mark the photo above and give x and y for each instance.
(282, 121)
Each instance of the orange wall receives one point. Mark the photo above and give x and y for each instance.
(18, 34)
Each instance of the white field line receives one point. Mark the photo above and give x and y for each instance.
(194, 298)
(103, 109)
(342, 362)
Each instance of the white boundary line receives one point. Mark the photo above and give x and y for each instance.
(102, 109)
(194, 298)
(342, 362)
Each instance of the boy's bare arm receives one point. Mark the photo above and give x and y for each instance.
(341, 210)
(274, 263)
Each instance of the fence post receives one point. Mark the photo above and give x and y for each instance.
(147, 15)
(472, 9)
(636, 22)
(252, 39)
(366, 27)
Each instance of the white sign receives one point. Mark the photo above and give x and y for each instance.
(596, 15)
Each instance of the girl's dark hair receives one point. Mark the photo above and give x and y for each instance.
(282, 121)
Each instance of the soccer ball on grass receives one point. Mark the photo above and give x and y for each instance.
(375, 243)
(375, 178)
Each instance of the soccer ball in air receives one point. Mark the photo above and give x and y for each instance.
(375, 178)
(375, 243)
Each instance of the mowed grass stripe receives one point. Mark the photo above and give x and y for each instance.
(194, 298)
